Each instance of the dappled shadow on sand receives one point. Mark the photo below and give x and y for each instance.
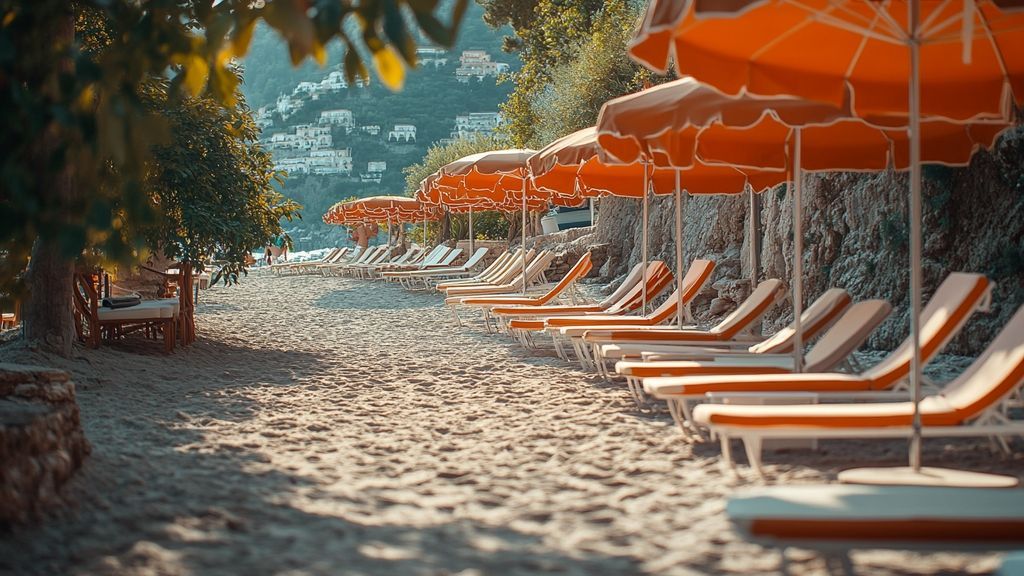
(375, 437)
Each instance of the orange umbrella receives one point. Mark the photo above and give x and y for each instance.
(496, 175)
(683, 119)
(577, 162)
(833, 50)
(960, 61)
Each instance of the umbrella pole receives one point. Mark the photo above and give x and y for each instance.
(915, 231)
(915, 474)
(592, 222)
(523, 246)
(424, 230)
(755, 258)
(643, 241)
(679, 253)
(472, 239)
(798, 256)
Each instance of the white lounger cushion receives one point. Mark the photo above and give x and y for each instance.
(847, 515)
(148, 310)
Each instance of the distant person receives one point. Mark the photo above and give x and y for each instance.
(361, 236)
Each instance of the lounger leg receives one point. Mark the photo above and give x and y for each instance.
(558, 348)
(752, 444)
(727, 462)
(637, 391)
(783, 562)
(841, 558)
(455, 314)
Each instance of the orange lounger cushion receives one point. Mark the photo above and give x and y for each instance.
(677, 368)
(523, 324)
(666, 387)
(934, 412)
(542, 310)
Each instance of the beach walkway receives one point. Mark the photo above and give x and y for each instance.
(334, 426)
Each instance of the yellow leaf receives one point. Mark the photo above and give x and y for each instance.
(242, 39)
(196, 71)
(319, 53)
(389, 68)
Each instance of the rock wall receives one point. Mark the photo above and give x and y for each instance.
(41, 439)
(856, 237)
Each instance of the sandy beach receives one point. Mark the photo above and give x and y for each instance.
(338, 426)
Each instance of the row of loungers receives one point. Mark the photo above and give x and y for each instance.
(727, 363)
(729, 381)
(702, 373)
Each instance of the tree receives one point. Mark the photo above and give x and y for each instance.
(213, 185)
(74, 117)
(547, 33)
(438, 156)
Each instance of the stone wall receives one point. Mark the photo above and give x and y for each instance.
(41, 439)
(856, 237)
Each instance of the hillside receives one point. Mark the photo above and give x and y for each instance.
(430, 101)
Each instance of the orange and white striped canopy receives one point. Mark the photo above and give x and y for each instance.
(576, 165)
(396, 209)
(680, 122)
(839, 51)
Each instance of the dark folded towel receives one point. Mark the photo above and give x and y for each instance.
(116, 302)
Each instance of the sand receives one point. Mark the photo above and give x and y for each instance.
(338, 426)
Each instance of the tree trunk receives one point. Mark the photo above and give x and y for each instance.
(48, 318)
(445, 231)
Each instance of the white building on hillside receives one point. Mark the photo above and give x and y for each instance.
(402, 133)
(333, 82)
(286, 106)
(375, 170)
(339, 117)
(331, 161)
(292, 165)
(305, 137)
(476, 123)
(435, 57)
(371, 129)
(305, 88)
(264, 117)
(477, 64)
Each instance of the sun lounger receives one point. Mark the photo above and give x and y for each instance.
(570, 329)
(668, 360)
(668, 380)
(581, 268)
(300, 267)
(534, 271)
(970, 405)
(835, 519)
(433, 259)
(626, 298)
(947, 311)
(336, 268)
(409, 257)
(615, 344)
(419, 280)
(410, 278)
(361, 270)
(382, 255)
(504, 275)
(94, 323)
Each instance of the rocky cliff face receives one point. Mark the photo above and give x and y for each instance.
(856, 237)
